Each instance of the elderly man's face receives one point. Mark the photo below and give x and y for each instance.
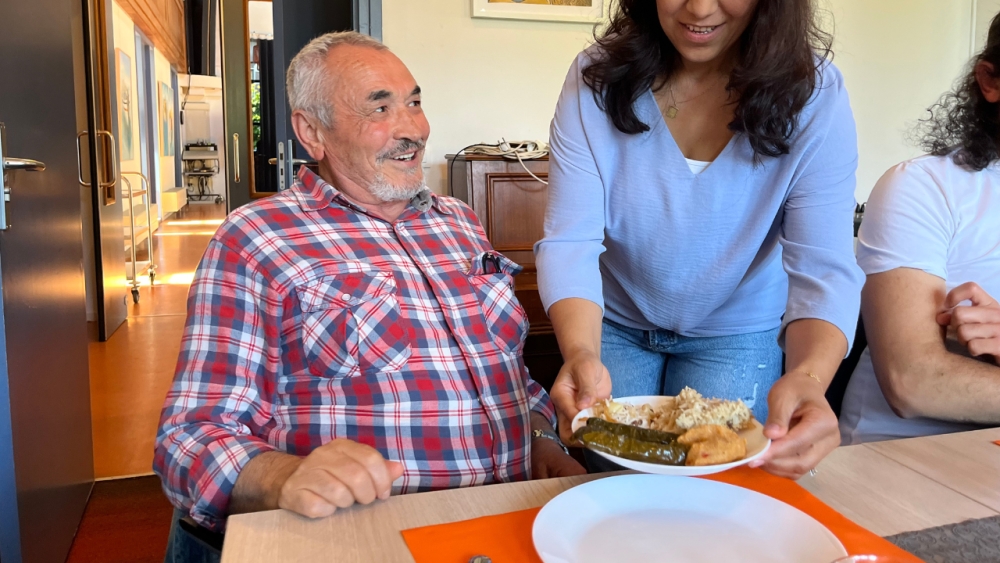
(379, 129)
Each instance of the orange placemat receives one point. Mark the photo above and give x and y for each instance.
(506, 538)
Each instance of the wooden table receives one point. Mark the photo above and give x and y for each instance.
(887, 487)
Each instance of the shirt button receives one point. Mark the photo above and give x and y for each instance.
(346, 297)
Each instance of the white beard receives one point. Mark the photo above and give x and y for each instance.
(385, 192)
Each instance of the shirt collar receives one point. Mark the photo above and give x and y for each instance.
(314, 193)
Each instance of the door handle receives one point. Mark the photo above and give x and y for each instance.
(26, 164)
(79, 159)
(295, 161)
(114, 160)
(23, 164)
(236, 158)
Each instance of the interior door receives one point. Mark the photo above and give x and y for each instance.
(103, 220)
(236, 101)
(46, 454)
(296, 22)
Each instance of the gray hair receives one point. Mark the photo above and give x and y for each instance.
(307, 82)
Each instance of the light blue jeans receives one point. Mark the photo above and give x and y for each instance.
(661, 362)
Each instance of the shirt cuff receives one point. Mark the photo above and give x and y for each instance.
(551, 296)
(214, 487)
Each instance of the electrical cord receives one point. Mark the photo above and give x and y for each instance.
(185, 100)
(514, 150)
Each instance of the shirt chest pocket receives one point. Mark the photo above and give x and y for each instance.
(352, 324)
(492, 276)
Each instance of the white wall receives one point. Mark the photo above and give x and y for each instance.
(165, 167)
(985, 10)
(898, 57)
(483, 79)
(124, 39)
(261, 19)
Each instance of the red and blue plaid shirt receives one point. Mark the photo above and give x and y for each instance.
(310, 319)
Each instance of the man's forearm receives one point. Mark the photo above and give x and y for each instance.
(258, 486)
(943, 385)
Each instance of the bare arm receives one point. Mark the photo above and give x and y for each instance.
(577, 323)
(583, 379)
(258, 486)
(814, 346)
(800, 421)
(918, 375)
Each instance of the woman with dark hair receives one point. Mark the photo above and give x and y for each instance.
(930, 241)
(700, 213)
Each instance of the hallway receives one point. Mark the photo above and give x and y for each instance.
(131, 372)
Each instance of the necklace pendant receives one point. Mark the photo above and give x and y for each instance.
(672, 112)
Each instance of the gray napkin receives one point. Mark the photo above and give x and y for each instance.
(972, 541)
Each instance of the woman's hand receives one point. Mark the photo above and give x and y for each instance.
(801, 426)
(978, 325)
(582, 381)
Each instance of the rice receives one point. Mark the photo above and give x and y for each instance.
(677, 414)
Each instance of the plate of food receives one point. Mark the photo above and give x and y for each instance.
(682, 435)
(658, 518)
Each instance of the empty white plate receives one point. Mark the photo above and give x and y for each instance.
(757, 444)
(647, 518)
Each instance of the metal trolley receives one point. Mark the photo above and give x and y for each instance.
(133, 236)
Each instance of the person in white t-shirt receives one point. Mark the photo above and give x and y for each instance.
(930, 247)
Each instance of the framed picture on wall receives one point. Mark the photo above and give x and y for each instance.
(166, 119)
(125, 97)
(587, 11)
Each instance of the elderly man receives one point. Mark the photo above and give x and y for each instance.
(354, 336)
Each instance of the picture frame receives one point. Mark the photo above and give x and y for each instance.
(126, 100)
(574, 11)
(165, 116)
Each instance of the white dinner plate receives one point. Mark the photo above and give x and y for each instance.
(648, 518)
(757, 444)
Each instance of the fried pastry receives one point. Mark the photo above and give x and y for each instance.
(712, 444)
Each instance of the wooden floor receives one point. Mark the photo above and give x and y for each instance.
(131, 372)
(126, 521)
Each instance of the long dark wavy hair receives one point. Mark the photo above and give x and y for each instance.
(776, 70)
(962, 123)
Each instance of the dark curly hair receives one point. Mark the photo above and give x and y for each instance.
(962, 123)
(776, 73)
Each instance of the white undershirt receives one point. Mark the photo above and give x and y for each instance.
(697, 166)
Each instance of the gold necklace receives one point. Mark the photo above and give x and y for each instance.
(672, 108)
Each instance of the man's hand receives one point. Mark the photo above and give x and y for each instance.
(337, 475)
(801, 425)
(582, 381)
(978, 325)
(548, 460)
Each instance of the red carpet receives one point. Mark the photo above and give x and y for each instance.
(126, 521)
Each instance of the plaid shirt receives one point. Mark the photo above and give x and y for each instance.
(310, 319)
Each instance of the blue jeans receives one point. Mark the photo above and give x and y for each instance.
(661, 362)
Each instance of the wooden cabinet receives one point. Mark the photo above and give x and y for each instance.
(511, 207)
